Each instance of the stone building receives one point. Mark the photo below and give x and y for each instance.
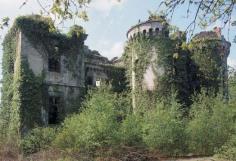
(60, 69)
(214, 70)
(46, 73)
(181, 61)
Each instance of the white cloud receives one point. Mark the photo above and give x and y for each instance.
(105, 6)
(115, 50)
(232, 62)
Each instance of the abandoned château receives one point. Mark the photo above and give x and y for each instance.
(46, 73)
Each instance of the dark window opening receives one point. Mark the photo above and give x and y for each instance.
(53, 110)
(144, 32)
(150, 31)
(54, 65)
(157, 30)
(90, 81)
(167, 33)
(138, 34)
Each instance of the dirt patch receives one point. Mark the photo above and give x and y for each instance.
(107, 154)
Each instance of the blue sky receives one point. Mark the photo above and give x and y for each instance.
(109, 22)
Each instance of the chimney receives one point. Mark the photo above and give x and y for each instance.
(217, 30)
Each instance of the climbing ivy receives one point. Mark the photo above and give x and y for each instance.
(167, 60)
(205, 54)
(22, 90)
(179, 67)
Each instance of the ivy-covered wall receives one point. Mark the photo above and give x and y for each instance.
(175, 65)
(209, 53)
(167, 60)
(28, 82)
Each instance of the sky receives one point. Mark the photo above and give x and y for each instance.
(109, 20)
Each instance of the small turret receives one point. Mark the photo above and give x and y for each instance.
(151, 27)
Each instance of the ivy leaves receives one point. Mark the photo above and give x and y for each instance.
(64, 9)
(234, 24)
(4, 22)
(206, 12)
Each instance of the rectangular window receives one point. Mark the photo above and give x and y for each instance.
(54, 103)
(54, 65)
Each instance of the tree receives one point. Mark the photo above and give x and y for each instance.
(63, 9)
(59, 10)
(4, 22)
(207, 11)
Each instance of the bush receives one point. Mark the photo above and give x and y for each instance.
(97, 125)
(228, 151)
(38, 139)
(163, 129)
(131, 131)
(211, 125)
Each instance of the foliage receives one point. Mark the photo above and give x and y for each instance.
(38, 139)
(207, 12)
(41, 29)
(170, 63)
(228, 151)
(163, 128)
(4, 22)
(146, 100)
(117, 77)
(210, 126)
(209, 64)
(22, 90)
(76, 31)
(154, 16)
(130, 132)
(63, 9)
(31, 91)
(97, 124)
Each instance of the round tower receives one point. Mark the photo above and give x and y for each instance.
(210, 51)
(151, 27)
(142, 52)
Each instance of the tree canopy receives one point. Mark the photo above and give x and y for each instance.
(59, 10)
(205, 11)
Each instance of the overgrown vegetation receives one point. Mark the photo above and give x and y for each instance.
(107, 122)
(163, 129)
(174, 124)
(38, 139)
(210, 126)
(23, 90)
(95, 126)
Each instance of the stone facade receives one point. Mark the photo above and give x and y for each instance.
(64, 87)
(150, 28)
(68, 73)
(154, 28)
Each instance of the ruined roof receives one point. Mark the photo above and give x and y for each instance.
(145, 22)
(207, 35)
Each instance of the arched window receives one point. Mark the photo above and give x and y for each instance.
(89, 80)
(54, 64)
(150, 31)
(144, 32)
(54, 103)
(138, 33)
(167, 33)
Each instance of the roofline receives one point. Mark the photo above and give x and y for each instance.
(139, 24)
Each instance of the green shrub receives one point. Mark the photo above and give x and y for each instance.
(228, 151)
(97, 125)
(38, 139)
(211, 125)
(131, 131)
(163, 129)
